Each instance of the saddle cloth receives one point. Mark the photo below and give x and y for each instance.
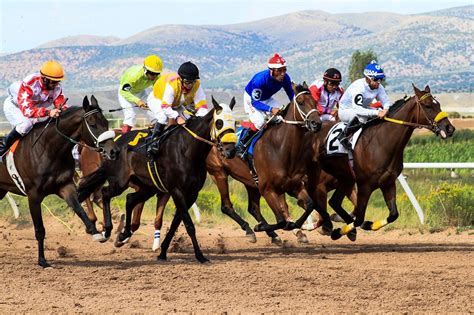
(12, 168)
(333, 145)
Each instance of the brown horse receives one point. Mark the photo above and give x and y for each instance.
(282, 162)
(48, 167)
(378, 157)
(180, 170)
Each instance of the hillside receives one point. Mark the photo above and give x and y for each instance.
(433, 48)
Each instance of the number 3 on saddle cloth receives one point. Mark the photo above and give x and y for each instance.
(333, 145)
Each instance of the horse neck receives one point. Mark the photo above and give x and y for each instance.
(203, 130)
(396, 135)
(69, 126)
(292, 114)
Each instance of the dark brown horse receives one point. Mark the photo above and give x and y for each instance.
(378, 157)
(48, 167)
(282, 162)
(180, 167)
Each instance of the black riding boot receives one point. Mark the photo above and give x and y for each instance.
(157, 131)
(245, 142)
(344, 137)
(9, 140)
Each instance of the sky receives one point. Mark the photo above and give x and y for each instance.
(26, 24)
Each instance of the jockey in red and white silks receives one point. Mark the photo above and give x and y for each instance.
(327, 93)
(30, 101)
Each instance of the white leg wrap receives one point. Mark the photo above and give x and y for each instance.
(156, 240)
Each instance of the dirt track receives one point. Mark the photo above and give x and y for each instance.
(394, 271)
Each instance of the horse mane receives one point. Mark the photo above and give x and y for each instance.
(391, 111)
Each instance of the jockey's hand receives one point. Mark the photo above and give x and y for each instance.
(142, 104)
(180, 120)
(382, 113)
(54, 113)
(275, 110)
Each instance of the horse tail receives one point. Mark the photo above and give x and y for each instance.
(90, 183)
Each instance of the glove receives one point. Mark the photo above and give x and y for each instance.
(142, 104)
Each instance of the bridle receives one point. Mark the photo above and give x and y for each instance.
(433, 123)
(106, 135)
(297, 107)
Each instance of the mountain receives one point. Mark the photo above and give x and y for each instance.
(81, 40)
(433, 48)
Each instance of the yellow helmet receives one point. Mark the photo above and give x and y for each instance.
(52, 70)
(153, 64)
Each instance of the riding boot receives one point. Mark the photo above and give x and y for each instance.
(157, 131)
(346, 135)
(245, 142)
(9, 140)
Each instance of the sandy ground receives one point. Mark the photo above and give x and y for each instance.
(386, 271)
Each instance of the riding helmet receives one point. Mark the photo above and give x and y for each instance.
(188, 71)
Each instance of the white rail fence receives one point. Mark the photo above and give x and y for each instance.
(408, 190)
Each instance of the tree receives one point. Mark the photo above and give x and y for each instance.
(358, 62)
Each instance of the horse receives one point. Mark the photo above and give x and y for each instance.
(378, 157)
(180, 171)
(45, 163)
(282, 163)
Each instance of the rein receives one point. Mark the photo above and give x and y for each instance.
(433, 123)
(102, 137)
(192, 133)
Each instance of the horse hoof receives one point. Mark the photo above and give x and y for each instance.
(203, 260)
(156, 245)
(352, 235)
(277, 241)
(106, 238)
(251, 237)
(325, 230)
(366, 225)
(99, 238)
(336, 234)
(301, 237)
(43, 263)
(161, 257)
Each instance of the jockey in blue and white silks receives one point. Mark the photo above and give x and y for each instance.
(354, 106)
(258, 101)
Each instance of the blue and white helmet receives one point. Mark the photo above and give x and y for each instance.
(373, 71)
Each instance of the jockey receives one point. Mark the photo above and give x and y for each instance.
(258, 101)
(35, 99)
(355, 105)
(132, 92)
(171, 93)
(327, 94)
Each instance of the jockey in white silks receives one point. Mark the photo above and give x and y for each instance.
(355, 105)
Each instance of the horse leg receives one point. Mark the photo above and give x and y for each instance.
(69, 194)
(160, 209)
(228, 208)
(40, 232)
(254, 209)
(133, 199)
(305, 202)
(363, 195)
(389, 194)
(277, 203)
(336, 203)
(169, 236)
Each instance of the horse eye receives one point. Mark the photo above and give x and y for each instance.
(219, 124)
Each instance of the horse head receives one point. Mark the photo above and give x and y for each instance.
(95, 130)
(433, 115)
(223, 128)
(304, 108)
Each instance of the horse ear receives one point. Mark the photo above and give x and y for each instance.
(293, 85)
(305, 85)
(232, 103)
(417, 91)
(427, 89)
(94, 101)
(85, 103)
(216, 105)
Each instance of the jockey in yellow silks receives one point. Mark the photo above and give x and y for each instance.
(171, 93)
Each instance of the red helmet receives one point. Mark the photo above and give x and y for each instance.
(332, 74)
(276, 62)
